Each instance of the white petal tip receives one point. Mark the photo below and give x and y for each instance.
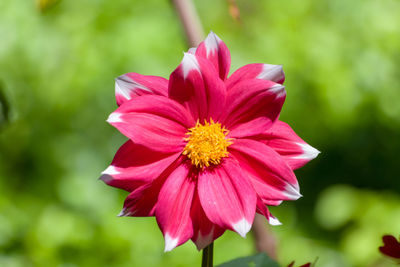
(123, 86)
(278, 90)
(189, 63)
(242, 227)
(114, 117)
(111, 170)
(124, 212)
(309, 152)
(274, 221)
(192, 50)
(106, 175)
(211, 42)
(170, 243)
(292, 192)
(272, 72)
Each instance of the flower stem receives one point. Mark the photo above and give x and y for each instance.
(207, 260)
(190, 21)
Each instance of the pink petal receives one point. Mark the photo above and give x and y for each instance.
(204, 231)
(173, 207)
(252, 107)
(271, 177)
(288, 144)
(196, 85)
(135, 165)
(153, 121)
(227, 196)
(132, 84)
(263, 210)
(215, 50)
(257, 71)
(143, 200)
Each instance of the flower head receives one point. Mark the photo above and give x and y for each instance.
(206, 144)
(205, 152)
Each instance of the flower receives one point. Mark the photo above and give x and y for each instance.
(391, 247)
(308, 264)
(205, 151)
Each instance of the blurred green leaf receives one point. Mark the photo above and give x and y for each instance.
(258, 260)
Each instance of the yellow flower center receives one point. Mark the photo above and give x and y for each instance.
(207, 144)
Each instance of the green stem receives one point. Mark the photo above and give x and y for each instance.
(207, 260)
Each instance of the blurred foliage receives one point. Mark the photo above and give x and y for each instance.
(57, 70)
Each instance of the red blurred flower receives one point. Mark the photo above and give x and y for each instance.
(304, 265)
(391, 247)
(205, 151)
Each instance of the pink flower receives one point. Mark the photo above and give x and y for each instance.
(205, 152)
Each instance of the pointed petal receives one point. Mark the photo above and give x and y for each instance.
(288, 144)
(263, 210)
(173, 207)
(195, 85)
(257, 71)
(135, 165)
(227, 196)
(192, 50)
(215, 50)
(204, 231)
(271, 177)
(132, 84)
(153, 121)
(252, 107)
(143, 200)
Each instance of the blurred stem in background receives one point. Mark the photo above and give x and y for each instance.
(264, 239)
(190, 21)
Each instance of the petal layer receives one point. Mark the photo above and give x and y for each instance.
(263, 210)
(227, 196)
(271, 177)
(153, 121)
(252, 107)
(196, 85)
(215, 50)
(204, 231)
(132, 84)
(288, 144)
(135, 165)
(143, 200)
(173, 207)
(257, 71)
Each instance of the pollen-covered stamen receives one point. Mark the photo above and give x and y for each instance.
(207, 144)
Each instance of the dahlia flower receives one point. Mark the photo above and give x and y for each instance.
(205, 152)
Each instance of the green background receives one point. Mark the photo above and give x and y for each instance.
(58, 61)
